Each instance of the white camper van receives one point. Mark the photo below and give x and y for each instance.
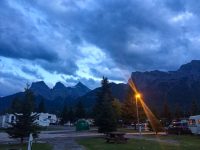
(45, 119)
(6, 119)
(194, 124)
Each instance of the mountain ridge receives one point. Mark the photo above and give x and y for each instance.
(54, 97)
(178, 87)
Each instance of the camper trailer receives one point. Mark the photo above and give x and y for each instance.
(43, 119)
(194, 124)
(6, 119)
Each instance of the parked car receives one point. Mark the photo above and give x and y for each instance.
(179, 127)
(194, 124)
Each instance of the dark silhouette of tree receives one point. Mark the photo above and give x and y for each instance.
(155, 112)
(142, 115)
(80, 111)
(41, 106)
(194, 110)
(105, 117)
(166, 114)
(16, 105)
(129, 108)
(117, 108)
(71, 115)
(178, 113)
(64, 115)
(25, 120)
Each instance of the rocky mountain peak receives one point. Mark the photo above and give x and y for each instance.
(192, 67)
(40, 88)
(39, 84)
(80, 84)
(59, 85)
(81, 88)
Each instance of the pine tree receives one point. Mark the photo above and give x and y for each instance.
(117, 108)
(194, 110)
(25, 120)
(105, 117)
(16, 105)
(71, 115)
(80, 111)
(64, 115)
(129, 108)
(178, 113)
(41, 107)
(166, 114)
(142, 115)
(155, 112)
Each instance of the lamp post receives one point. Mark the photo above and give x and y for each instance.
(138, 97)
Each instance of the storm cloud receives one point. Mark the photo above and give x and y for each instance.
(84, 39)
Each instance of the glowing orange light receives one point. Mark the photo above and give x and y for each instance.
(151, 117)
(138, 96)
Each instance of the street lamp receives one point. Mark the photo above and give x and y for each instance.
(138, 97)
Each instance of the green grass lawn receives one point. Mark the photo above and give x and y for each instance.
(36, 146)
(185, 143)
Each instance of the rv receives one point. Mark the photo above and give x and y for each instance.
(43, 119)
(6, 119)
(194, 124)
(179, 126)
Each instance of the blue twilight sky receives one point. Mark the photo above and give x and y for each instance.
(82, 40)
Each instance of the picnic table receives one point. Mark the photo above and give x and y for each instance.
(116, 137)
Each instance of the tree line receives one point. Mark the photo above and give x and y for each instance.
(26, 112)
(108, 112)
(70, 114)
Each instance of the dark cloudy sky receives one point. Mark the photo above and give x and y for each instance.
(82, 40)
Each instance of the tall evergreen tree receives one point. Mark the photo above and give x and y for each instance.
(178, 113)
(71, 115)
(155, 112)
(117, 108)
(105, 117)
(194, 110)
(166, 114)
(16, 105)
(142, 115)
(41, 107)
(64, 115)
(80, 111)
(25, 120)
(129, 108)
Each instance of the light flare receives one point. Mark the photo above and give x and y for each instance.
(155, 123)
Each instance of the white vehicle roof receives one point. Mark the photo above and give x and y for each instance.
(194, 117)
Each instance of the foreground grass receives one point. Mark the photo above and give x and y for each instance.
(36, 146)
(185, 143)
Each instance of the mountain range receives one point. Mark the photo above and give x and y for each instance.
(54, 98)
(178, 88)
(59, 90)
